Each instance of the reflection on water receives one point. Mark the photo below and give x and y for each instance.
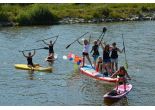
(31, 75)
(116, 102)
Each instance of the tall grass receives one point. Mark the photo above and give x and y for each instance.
(47, 14)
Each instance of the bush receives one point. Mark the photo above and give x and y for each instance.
(42, 16)
(103, 12)
(4, 17)
(23, 19)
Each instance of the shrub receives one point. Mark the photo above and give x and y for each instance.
(42, 16)
(4, 17)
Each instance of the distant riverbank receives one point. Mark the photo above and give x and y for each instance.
(49, 14)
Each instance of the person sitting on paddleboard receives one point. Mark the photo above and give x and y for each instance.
(114, 56)
(106, 57)
(51, 45)
(85, 52)
(99, 64)
(29, 58)
(121, 74)
(95, 49)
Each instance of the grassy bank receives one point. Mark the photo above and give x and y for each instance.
(47, 14)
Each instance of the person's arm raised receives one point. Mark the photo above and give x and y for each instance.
(24, 54)
(55, 40)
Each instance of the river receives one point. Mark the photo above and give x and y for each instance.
(65, 85)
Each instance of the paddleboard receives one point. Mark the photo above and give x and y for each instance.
(119, 93)
(36, 68)
(51, 60)
(91, 72)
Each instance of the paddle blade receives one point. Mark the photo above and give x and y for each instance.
(68, 46)
(104, 29)
(46, 48)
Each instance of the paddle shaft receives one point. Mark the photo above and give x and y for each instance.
(76, 40)
(103, 32)
(33, 49)
(47, 38)
(124, 49)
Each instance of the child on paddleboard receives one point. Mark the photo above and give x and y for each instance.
(85, 52)
(121, 74)
(51, 49)
(95, 50)
(114, 57)
(99, 64)
(29, 58)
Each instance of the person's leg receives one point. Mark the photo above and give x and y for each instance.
(116, 64)
(94, 57)
(100, 67)
(83, 61)
(124, 85)
(89, 60)
(112, 66)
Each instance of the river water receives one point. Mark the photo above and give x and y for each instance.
(65, 85)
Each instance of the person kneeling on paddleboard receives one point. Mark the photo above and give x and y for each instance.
(121, 74)
(51, 50)
(29, 58)
(99, 64)
(85, 52)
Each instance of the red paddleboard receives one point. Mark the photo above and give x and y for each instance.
(119, 93)
(89, 71)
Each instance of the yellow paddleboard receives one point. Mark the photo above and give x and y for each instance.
(36, 68)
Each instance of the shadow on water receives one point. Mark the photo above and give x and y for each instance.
(117, 102)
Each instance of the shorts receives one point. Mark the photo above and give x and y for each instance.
(85, 54)
(95, 57)
(114, 60)
(106, 61)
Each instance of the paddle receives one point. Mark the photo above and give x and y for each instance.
(47, 38)
(103, 31)
(126, 63)
(34, 49)
(76, 40)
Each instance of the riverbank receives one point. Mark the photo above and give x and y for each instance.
(49, 14)
(69, 20)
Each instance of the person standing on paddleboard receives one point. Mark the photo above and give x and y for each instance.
(95, 50)
(29, 58)
(85, 52)
(121, 74)
(51, 47)
(106, 57)
(114, 56)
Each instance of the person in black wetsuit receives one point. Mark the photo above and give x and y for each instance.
(51, 49)
(114, 56)
(29, 58)
(95, 50)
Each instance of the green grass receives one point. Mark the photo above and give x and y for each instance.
(39, 14)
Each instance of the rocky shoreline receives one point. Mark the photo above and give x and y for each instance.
(70, 20)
